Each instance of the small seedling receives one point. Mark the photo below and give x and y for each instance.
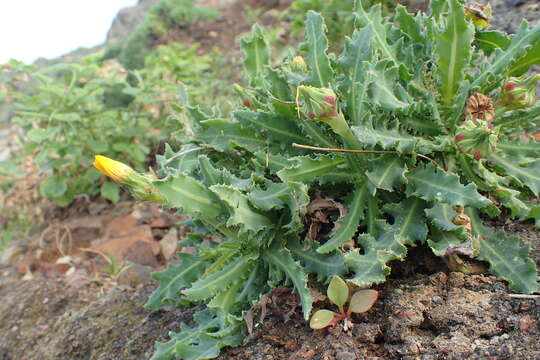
(114, 267)
(338, 293)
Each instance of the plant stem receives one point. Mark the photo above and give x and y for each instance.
(356, 151)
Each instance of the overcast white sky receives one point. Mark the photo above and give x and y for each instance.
(49, 28)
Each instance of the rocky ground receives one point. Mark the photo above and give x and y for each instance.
(61, 299)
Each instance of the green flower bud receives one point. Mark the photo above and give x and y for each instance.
(519, 93)
(249, 97)
(318, 103)
(476, 137)
(321, 104)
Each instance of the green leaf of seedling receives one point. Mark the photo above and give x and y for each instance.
(110, 191)
(322, 319)
(52, 187)
(338, 291)
(39, 135)
(363, 300)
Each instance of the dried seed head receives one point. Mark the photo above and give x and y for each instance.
(479, 106)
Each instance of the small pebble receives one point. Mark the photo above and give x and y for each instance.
(345, 355)
(437, 299)
(515, 2)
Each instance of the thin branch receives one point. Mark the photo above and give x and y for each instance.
(176, 156)
(356, 151)
(524, 296)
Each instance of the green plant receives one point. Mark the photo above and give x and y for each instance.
(162, 18)
(67, 120)
(378, 130)
(338, 293)
(72, 111)
(16, 225)
(114, 267)
(338, 14)
(168, 65)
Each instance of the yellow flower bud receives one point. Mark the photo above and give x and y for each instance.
(298, 64)
(141, 185)
(116, 170)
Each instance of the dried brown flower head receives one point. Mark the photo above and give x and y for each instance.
(479, 106)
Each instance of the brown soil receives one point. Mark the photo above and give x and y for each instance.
(223, 33)
(438, 316)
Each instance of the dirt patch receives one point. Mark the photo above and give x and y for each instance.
(438, 316)
(224, 32)
(55, 319)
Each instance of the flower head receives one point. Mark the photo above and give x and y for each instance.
(141, 185)
(476, 137)
(318, 103)
(116, 170)
(479, 106)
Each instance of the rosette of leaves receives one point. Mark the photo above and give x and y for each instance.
(380, 121)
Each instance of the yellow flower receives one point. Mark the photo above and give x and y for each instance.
(116, 170)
